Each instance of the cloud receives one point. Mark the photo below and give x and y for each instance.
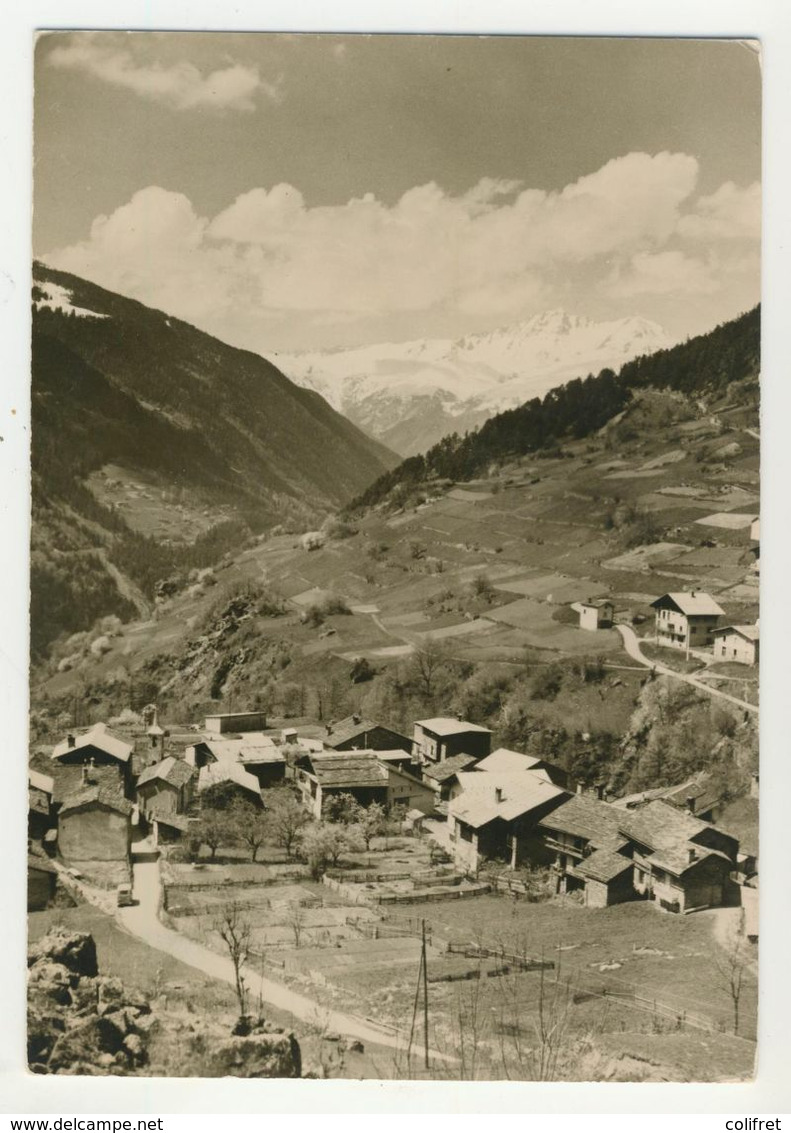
(662, 273)
(496, 252)
(180, 85)
(729, 214)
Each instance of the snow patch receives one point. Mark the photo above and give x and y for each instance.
(59, 298)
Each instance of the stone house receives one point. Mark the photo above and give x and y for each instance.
(680, 861)
(221, 723)
(443, 777)
(95, 825)
(167, 786)
(255, 752)
(98, 755)
(321, 776)
(441, 737)
(686, 619)
(578, 830)
(406, 790)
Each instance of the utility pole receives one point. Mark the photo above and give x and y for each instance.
(425, 994)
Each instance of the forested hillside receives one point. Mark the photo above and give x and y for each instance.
(703, 366)
(205, 444)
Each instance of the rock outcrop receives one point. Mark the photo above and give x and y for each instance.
(80, 1022)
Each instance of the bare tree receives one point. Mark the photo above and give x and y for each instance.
(236, 931)
(731, 964)
(427, 664)
(296, 921)
(250, 826)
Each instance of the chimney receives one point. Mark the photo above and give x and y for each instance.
(692, 855)
(84, 773)
(498, 794)
(70, 740)
(600, 790)
(329, 729)
(691, 804)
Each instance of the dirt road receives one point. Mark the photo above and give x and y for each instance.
(631, 643)
(142, 921)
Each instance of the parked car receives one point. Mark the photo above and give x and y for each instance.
(123, 896)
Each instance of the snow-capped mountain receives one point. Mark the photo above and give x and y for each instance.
(409, 394)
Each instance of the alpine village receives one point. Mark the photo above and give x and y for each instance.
(345, 763)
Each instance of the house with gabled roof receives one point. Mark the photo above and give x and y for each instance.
(438, 738)
(357, 732)
(686, 619)
(495, 816)
(443, 777)
(98, 755)
(737, 643)
(505, 760)
(680, 861)
(95, 824)
(256, 752)
(233, 777)
(575, 831)
(168, 784)
(321, 776)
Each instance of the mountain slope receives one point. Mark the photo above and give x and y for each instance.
(704, 365)
(410, 394)
(217, 437)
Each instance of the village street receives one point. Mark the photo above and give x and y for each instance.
(631, 643)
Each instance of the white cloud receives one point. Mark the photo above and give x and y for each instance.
(662, 273)
(494, 253)
(181, 85)
(729, 214)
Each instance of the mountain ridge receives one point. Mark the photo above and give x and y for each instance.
(410, 394)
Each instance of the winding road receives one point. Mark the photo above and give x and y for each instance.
(631, 643)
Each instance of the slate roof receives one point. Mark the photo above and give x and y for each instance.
(41, 782)
(603, 865)
(349, 729)
(348, 769)
(691, 603)
(660, 825)
(699, 787)
(252, 748)
(98, 795)
(450, 726)
(174, 771)
(478, 804)
(584, 817)
(227, 772)
(676, 859)
(440, 772)
(100, 737)
(504, 760)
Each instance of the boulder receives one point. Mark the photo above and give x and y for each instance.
(74, 950)
(257, 1055)
(51, 980)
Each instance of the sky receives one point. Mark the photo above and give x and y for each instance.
(300, 192)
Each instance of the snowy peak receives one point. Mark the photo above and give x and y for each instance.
(458, 384)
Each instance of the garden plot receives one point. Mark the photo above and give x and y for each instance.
(537, 627)
(729, 520)
(460, 629)
(640, 558)
(550, 587)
